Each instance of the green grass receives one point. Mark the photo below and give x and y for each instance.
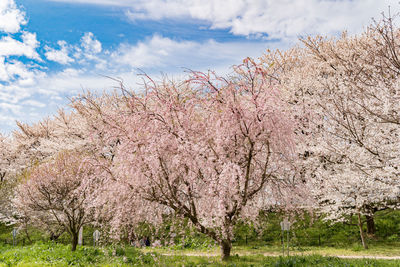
(52, 254)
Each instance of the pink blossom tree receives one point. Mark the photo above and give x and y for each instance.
(30, 145)
(210, 149)
(58, 193)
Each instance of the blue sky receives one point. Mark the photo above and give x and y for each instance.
(53, 49)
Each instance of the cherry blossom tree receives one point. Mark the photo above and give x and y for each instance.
(58, 194)
(9, 167)
(6, 157)
(350, 85)
(38, 141)
(210, 149)
(30, 145)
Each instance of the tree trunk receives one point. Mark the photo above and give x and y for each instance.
(74, 241)
(360, 226)
(27, 235)
(53, 236)
(370, 224)
(226, 246)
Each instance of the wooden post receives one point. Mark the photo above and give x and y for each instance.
(283, 242)
(360, 225)
(80, 236)
(288, 243)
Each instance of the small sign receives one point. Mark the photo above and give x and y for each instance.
(285, 225)
(80, 236)
(96, 237)
(14, 235)
(14, 232)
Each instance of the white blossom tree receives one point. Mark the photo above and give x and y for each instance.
(350, 86)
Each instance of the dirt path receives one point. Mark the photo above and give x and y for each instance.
(368, 257)
(213, 254)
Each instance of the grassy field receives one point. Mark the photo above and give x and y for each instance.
(377, 250)
(49, 254)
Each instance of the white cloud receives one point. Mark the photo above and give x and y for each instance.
(6, 122)
(90, 52)
(3, 70)
(60, 56)
(152, 52)
(163, 53)
(33, 103)
(20, 72)
(27, 48)
(13, 108)
(90, 44)
(17, 79)
(11, 18)
(14, 75)
(87, 52)
(29, 91)
(13, 94)
(99, 2)
(278, 19)
(15, 71)
(70, 84)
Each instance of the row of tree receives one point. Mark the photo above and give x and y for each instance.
(315, 127)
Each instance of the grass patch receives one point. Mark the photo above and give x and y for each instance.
(52, 254)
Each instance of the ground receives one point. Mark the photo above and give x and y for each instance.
(52, 254)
